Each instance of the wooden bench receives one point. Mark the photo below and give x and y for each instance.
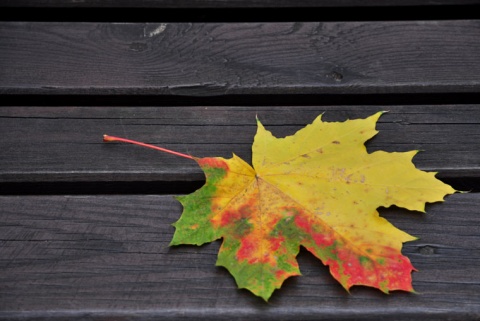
(85, 226)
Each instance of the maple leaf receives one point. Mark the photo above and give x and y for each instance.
(319, 189)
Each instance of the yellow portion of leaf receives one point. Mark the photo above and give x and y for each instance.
(326, 169)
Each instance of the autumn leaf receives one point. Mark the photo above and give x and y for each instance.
(319, 189)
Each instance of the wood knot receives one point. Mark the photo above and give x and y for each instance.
(427, 250)
(335, 75)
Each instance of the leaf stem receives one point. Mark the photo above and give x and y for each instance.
(107, 138)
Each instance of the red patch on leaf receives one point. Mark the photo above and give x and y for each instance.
(233, 216)
(247, 247)
(229, 217)
(213, 162)
(321, 239)
(276, 242)
(303, 223)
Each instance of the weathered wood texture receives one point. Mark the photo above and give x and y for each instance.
(211, 59)
(226, 3)
(107, 257)
(65, 144)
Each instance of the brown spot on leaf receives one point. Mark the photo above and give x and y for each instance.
(245, 211)
(336, 142)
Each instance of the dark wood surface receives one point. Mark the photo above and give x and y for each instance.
(217, 59)
(91, 257)
(227, 3)
(85, 225)
(96, 257)
(48, 144)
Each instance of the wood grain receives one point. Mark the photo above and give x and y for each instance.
(226, 3)
(52, 144)
(216, 59)
(107, 257)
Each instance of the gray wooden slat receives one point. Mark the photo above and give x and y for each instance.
(226, 3)
(50, 144)
(107, 257)
(215, 59)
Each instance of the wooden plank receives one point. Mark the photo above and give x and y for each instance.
(51, 144)
(216, 59)
(107, 257)
(227, 3)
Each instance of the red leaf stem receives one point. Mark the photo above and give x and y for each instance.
(107, 138)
